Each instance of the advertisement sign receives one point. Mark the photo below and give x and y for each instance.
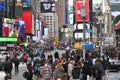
(27, 17)
(8, 27)
(97, 6)
(47, 7)
(78, 7)
(26, 4)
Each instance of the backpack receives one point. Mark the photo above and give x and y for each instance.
(97, 72)
(76, 73)
(36, 69)
(26, 75)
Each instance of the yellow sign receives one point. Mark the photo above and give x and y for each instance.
(77, 45)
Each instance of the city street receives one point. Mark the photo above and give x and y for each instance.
(112, 75)
(22, 67)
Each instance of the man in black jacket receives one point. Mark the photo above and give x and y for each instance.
(76, 72)
(8, 66)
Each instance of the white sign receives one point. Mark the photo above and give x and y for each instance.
(3, 47)
(10, 45)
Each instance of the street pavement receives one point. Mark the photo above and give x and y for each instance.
(19, 76)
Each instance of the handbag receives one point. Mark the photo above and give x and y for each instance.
(26, 75)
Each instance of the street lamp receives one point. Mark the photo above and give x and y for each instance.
(100, 35)
(83, 14)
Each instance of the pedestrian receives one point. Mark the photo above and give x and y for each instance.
(25, 58)
(36, 67)
(65, 67)
(8, 66)
(32, 57)
(16, 64)
(56, 55)
(1, 65)
(97, 70)
(86, 69)
(30, 70)
(58, 72)
(46, 71)
(76, 72)
(70, 67)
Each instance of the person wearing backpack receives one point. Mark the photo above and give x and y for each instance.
(97, 70)
(1, 65)
(76, 72)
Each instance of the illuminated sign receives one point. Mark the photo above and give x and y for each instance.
(78, 15)
(8, 39)
(47, 7)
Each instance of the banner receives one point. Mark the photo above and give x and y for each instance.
(47, 7)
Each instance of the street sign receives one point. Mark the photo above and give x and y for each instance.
(89, 31)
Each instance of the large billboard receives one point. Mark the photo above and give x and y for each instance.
(13, 28)
(78, 7)
(47, 7)
(27, 17)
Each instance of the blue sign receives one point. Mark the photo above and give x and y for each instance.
(89, 46)
(3, 6)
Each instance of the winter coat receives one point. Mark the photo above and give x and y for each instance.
(76, 72)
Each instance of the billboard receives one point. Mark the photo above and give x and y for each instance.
(27, 17)
(47, 7)
(8, 27)
(78, 7)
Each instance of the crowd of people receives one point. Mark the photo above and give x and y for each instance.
(71, 66)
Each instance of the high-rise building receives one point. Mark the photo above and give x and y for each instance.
(60, 10)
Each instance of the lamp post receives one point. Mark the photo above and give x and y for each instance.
(83, 14)
(101, 37)
(100, 34)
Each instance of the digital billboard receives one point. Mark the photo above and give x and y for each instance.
(78, 7)
(47, 7)
(27, 17)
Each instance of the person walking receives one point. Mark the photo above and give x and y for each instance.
(25, 58)
(76, 72)
(70, 67)
(16, 64)
(58, 72)
(46, 71)
(8, 66)
(30, 70)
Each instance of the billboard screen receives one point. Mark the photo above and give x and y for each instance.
(47, 7)
(27, 17)
(78, 17)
